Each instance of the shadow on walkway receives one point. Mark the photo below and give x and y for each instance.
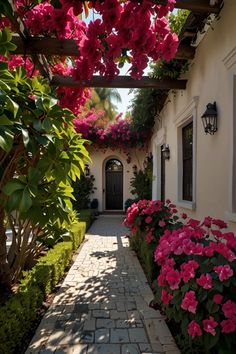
(102, 305)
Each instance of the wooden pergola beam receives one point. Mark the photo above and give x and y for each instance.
(120, 82)
(68, 47)
(196, 5)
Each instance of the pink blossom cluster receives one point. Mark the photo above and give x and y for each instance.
(15, 61)
(202, 257)
(104, 41)
(117, 135)
(149, 218)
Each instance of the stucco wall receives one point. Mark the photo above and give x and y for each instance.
(97, 168)
(210, 78)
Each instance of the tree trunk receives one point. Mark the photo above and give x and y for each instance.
(5, 279)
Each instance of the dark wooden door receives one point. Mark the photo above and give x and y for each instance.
(114, 190)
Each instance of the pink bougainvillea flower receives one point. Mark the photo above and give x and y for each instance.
(148, 220)
(228, 326)
(166, 297)
(229, 310)
(205, 281)
(173, 279)
(207, 221)
(162, 223)
(189, 302)
(188, 270)
(224, 272)
(194, 329)
(217, 299)
(209, 325)
(220, 223)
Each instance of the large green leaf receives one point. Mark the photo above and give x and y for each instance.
(6, 139)
(26, 201)
(13, 186)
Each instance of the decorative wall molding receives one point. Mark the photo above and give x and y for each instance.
(187, 112)
(230, 59)
(160, 137)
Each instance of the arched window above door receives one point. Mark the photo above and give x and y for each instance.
(114, 165)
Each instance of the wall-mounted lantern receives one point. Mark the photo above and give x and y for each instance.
(87, 170)
(135, 169)
(166, 151)
(209, 119)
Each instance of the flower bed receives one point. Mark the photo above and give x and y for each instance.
(147, 221)
(196, 285)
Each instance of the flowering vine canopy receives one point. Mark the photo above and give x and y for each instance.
(122, 31)
(117, 135)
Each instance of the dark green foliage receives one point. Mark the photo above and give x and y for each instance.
(129, 202)
(144, 108)
(87, 216)
(83, 188)
(94, 203)
(145, 253)
(21, 310)
(141, 183)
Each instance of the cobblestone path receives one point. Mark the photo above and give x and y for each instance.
(102, 305)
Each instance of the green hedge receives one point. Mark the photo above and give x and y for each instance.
(145, 254)
(87, 215)
(20, 311)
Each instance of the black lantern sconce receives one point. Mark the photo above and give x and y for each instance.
(209, 119)
(166, 151)
(135, 169)
(87, 170)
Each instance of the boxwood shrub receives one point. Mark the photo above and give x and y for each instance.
(21, 309)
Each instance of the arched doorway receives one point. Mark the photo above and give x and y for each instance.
(114, 185)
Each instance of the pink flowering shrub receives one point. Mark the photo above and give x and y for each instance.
(196, 283)
(117, 135)
(147, 221)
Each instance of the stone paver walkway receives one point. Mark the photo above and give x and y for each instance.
(102, 306)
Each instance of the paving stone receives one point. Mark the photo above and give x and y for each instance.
(118, 315)
(105, 323)
(145, 347)
(89, 325)
(119, 336)
(130, 349)
(137, 335)
(108, 306)
(75, 349)
(81, 308)
(122, 324)
(102, 335)
(130, 305)
(120, 305)
(103, 349)
(101, 313)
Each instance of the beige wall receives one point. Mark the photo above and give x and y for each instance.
(210, 78)
(97, 167)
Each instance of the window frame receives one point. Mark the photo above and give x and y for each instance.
(185, 117)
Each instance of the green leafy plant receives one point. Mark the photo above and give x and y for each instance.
(141, 183)
(40, 156)
(83, 188)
